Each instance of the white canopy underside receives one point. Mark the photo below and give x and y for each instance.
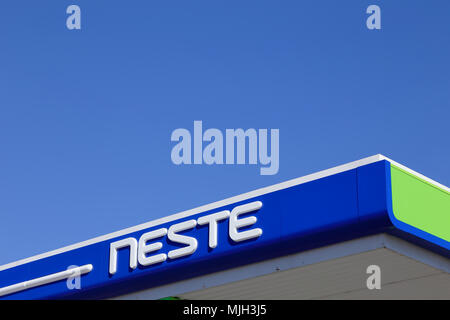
(333, 272)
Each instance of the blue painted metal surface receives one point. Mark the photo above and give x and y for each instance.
(328, 210)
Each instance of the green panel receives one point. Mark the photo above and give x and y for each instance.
(420, 204)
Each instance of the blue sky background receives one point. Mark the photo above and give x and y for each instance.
(86, 116)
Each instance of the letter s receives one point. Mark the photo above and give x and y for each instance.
(189, 241)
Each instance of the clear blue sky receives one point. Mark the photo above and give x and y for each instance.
(86, 116)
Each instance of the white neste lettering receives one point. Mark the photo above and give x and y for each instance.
(145, 248)
(235, 223)
(139, 250)
(212, 220)
(128, 242)
(178, 238)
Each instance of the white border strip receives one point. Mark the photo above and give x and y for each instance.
(46, 279)
(218, 204)
(421, 176)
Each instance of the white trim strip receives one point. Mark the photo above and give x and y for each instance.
(218, 204)
(21, 286)
(421, 176)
